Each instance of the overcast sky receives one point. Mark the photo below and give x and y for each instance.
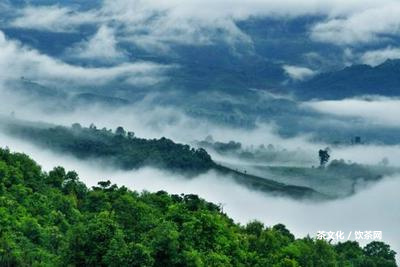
(154, 25)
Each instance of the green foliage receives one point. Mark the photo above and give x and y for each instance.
(55, 220)
(121, 149)
(124, 151)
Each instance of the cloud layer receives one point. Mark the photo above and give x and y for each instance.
(376, 110)
(154, 24)
(18, 61)
(298, 73)
(102, 47)
(51, 18)
(376, 57)
(357, 27)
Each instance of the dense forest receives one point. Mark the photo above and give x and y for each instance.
(53, 219)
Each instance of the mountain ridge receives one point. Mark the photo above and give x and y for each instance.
(352, 81)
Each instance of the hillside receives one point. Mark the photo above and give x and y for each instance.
(52, 219)
(299, 167)
(119, 148)
(123, 150)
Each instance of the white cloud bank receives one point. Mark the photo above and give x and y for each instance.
(298, 73)
(102, 46)
(154, 24)
(376, 57)
(149, 121)
(368, 25)
(376, 110)
(51, 18)
(17, 60)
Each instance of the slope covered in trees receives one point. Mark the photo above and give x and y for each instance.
(119, 148)
(52, 219)
(123, 150)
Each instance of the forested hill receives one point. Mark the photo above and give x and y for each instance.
(53, 219)
(123, 150)
(119, 148)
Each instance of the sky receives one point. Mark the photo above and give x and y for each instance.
(18, 60)
(156, 26)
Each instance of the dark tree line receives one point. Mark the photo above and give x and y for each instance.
(121, 148)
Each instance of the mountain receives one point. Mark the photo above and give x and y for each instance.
(58, 98)
(353, 81)
(33, 90)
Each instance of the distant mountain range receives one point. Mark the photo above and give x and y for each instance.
(228, 68)
(353, 81)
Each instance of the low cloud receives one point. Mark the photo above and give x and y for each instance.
(148, 120)
(357, 27)
(102, 47)
(298, 73)
(368, 154)
(51, 18)
(381, 111)
(376, 57)
(17, 60)
(154, 26)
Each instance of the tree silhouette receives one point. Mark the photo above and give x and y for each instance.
(120, 131)
(323, 156)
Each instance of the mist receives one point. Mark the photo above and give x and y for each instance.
(375, 110)
(148, 120)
